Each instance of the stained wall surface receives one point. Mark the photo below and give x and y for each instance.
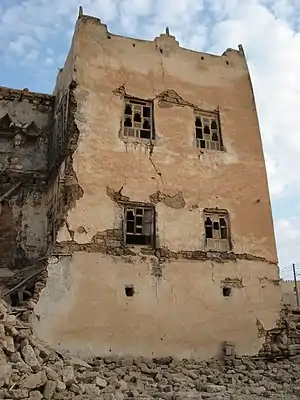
(25, 120)
(178, 307)
(25, 132)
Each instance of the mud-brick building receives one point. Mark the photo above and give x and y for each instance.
(161, 233)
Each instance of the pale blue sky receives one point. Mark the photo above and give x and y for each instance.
(35, 37)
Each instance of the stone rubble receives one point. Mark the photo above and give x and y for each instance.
(30, 369)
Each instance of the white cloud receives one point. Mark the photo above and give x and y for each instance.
(288, 239)
(266, 28)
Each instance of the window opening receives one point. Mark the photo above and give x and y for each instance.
(207, 131)
(208, 228)
(139, 225)
(216, 231)
(138, 119)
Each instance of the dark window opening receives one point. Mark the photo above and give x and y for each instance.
(138, 239)
(128, 109)
(206, 130)
(216, 226)
(138, 116)
(129, 291)
(145, 134)
(130, 226)
(128, 122)
(139, 226)
(199, 133)
(216, 230)
(215, 137)
(146, 124)
(202, 144)
(198, 122)
(213, 125)
(146, 112)
(208, 229)
(223, 227)
(207, 133)
(226, 291)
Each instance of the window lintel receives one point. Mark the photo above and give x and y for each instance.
(138, 100)
(135, 204)
(216, 211)
(205, 113)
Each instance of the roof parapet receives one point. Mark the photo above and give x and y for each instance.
(163, 42)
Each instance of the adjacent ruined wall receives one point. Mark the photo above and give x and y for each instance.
(25, 131)
(178, 306)
(25, 120)
(289, 293)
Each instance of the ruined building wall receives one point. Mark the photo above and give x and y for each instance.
(182, 297)
(25, 126)
(289, 293)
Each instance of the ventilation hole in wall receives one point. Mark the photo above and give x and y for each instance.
(161, 50)
(129, 291)
(226, 291)
(133, 44)
(202, 58)
(227, 62)
(108, 37)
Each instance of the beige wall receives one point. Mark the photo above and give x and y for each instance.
(185, 313)
(288, 293)
(84, 307)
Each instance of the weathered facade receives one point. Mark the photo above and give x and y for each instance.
(25, 132)
(160, 212)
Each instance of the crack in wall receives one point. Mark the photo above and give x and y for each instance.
(157, 171)
(156, 270)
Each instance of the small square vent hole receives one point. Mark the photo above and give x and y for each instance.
(226, 291)
(129, 291)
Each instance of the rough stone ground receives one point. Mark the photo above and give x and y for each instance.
(30, 369)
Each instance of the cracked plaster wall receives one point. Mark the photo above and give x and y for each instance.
(23, 234)
(183, 312)
(84, 308)
(20, 151)
(25, 119)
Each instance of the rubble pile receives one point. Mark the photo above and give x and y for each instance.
(284, 340)
(30, 369)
